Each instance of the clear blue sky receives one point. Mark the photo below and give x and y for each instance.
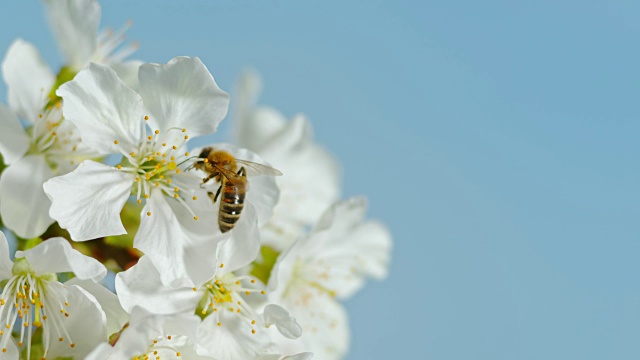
(511, 127)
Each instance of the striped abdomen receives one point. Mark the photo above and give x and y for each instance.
(231, 204)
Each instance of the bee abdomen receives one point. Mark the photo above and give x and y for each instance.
(230, 208)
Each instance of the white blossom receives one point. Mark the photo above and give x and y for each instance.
(312, 177)
(329, 264)
(149, 129)
(47, 147)
(75, 26)
(71, 319)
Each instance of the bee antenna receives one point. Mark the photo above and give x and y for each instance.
(187, 159)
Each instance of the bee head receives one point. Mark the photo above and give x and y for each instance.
(205, 153)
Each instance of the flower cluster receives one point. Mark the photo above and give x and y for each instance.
(134, 245)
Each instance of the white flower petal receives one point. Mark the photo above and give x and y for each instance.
(28, 78)
(5, 261)
(350, 248)
(172, 240)
(86, 324)
(140, 286)
(128, 72)
(14, 141)
(279, 316)
(116, 316)
(103, 351)
(242, 244)
(234, 339)
(56, 255)
(145, 326)
(88, 201)
(75, 27)
(183, 94)
(301, 356)
(107, 112)
(258, 127)
(325, 326)
(24, 207)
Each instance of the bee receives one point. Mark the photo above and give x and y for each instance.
(231, 174)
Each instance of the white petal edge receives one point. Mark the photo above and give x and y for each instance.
(56, 255)
(24, 207)
(75, 26)
(87, 202)
(5, 258)
(14, 141)
(140, 286)
(182, 94)
(285, 323)
(108, 114)
(109, 302)
(28, 78)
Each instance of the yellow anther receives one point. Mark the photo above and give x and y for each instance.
(173, 158)
(149, 213)
(146, 196)
(221, 266)
(137, 179)
(204, 311)
(263, 292)
(253, 281)
(115, 142)
(219, 324)
(175, 196)
(238, 282)
(119, 167)
(186, 137)
(247, 292)
(195, 198)
(164, 144)
(146, 117)
(178, 353)
(157, 132)
(177, 171)
(150, 137)
(195, 289)
(72, 345)
(205, 160)
(253, 322)
(184, 130)
(186, 154)
(174, 147)
(195, 218)
(132, 154)
(139, 201)
(253, 331)
(169, 337)
(176, 189)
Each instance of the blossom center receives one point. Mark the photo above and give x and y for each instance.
(223, 293)
(37, 303)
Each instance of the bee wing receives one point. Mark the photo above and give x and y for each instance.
(255, 169)
(231, 176)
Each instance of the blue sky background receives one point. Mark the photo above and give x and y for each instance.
(511, 127)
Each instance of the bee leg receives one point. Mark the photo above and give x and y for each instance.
(242, 172)
(206, 180)
(217, 194)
